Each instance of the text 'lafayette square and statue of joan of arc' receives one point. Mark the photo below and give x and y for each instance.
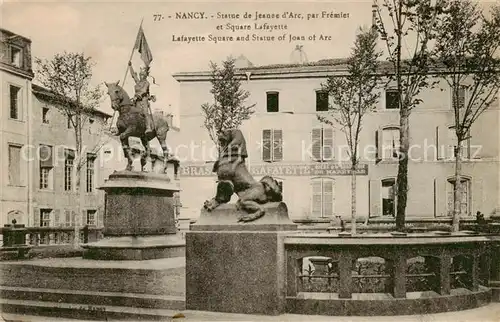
(249, 26)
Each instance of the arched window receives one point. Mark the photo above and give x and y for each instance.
(465, 209)
(323, 197)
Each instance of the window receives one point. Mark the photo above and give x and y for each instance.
(465, 197)
(389, 197)
(272, 145)
(14, 102)
(459, 102)
(322, 144)
(15, 165)
(46, 166)
(90, 171)
(45, 115)
(272, 101)
(322, 197)
(322, 101)
(453, 142)
(45, 217)
(67, 217)
(69, 160)
(91, 217)
(390, 143)
(391, 99)
(16, 56)
(68, 122)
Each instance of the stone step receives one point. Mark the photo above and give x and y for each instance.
(93, 298)
(79, 311)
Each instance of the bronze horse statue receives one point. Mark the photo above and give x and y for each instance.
(132, 123)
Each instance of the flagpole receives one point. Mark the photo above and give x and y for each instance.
(126, 70)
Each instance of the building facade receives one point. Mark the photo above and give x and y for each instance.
(286, 140)
(15, 116)
(53, 164)
(38, 150)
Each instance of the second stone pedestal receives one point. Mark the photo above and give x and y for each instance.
(139, 219)
(237, 267)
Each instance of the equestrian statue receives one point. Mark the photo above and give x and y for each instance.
(234, 177)
(136, 120)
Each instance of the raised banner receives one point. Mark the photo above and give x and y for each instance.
(271, 169)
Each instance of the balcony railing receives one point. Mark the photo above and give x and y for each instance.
(47, 236)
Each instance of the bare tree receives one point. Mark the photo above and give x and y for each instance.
(353, 96)
(466, 45)
(407, 28)
(229, 109)
(68, 75)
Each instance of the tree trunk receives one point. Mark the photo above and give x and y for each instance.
(353, 200)
(78, 179)
(457, 189)
(402, 178)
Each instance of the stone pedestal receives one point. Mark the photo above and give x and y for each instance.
(139, 219)
(237, 267)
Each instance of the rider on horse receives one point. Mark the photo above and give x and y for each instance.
(142, 95)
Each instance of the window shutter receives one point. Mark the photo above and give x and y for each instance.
(73, 218)
(461, 97)
(328, 144)
(57, 218)
(438, 152)
(36, 213)
(475, 146)
(375, 198)
(378, 145)
(100, 218)
(67, 219)
(328, 198)
(316, 198)
(477, 195)
(83, 221)
(440, 197)
(277, 145)
(316, 144)
(266, 145)
(443, 142)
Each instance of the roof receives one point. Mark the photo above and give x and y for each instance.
(12, 34)
(320, 68)
(44, 92)
(317, 69)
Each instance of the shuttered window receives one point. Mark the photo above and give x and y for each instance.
(46, 165)
(323, 198)
(272, 145)
(322, 144)
(459, 102)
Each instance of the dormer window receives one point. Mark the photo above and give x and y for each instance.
(16, 56)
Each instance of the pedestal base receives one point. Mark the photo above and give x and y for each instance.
(136, 248)
(237, 267)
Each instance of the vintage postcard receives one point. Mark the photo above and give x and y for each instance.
(250, 160)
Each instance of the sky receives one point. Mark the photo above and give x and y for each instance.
(106, 31)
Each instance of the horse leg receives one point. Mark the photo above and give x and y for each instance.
(147, 153)
(127, 152)
(162, 138)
